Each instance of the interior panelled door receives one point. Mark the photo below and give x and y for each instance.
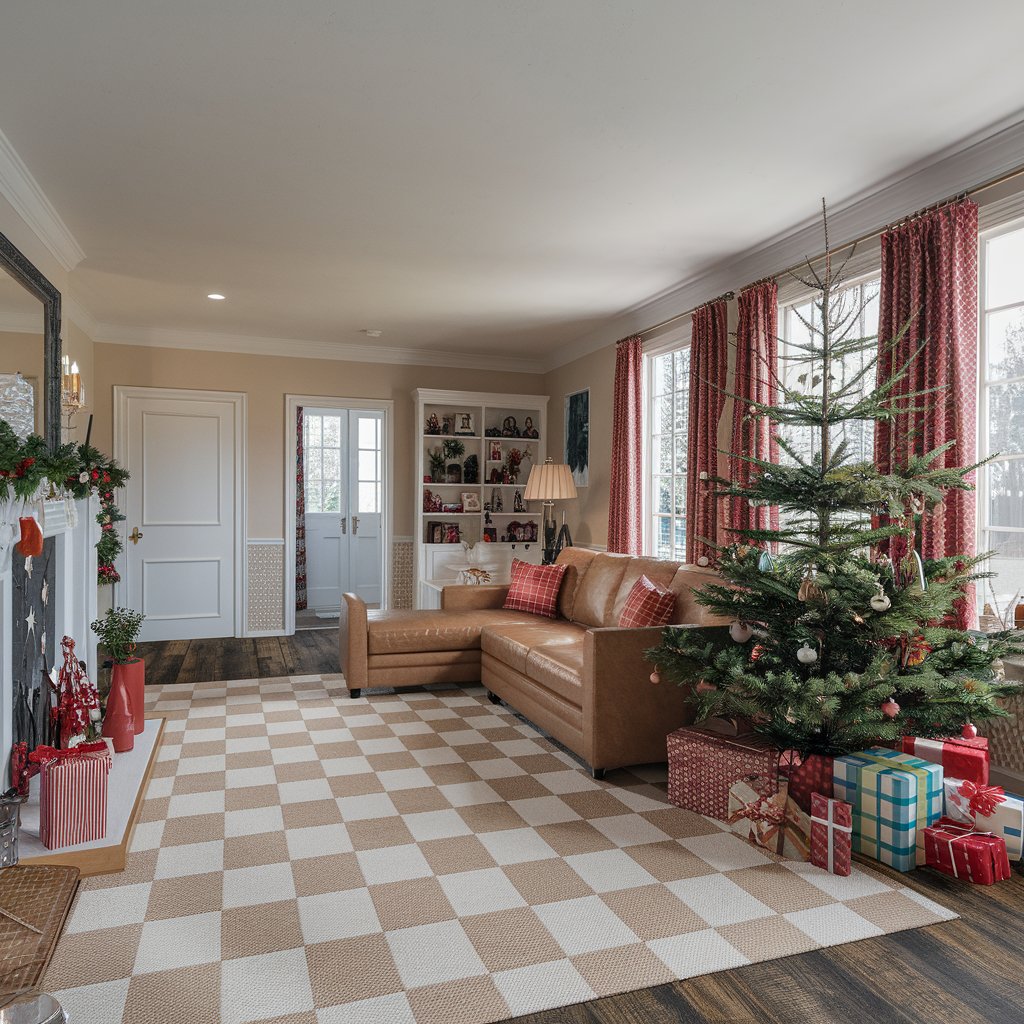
(180, 516)
(342, 469)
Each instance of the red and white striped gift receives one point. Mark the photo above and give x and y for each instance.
(73, 799)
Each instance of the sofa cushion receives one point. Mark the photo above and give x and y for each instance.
(577, 561)
(559, 668)
(647, 605)
(686, 579)
(657, 570)
(511, 644)
(595, 594)
(535, 588)
(400, 631)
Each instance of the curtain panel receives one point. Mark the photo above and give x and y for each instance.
(300, 511)
(754, 381)
(625, 508)
(930, 279)
(709, 357)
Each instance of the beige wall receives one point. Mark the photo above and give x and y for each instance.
(588, 514)
(266, 380)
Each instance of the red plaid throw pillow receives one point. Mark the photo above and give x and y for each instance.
(647, 605)
(535, 588)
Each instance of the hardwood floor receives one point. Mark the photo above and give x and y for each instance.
(968, 971)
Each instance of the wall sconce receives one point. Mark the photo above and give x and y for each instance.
(72, 392)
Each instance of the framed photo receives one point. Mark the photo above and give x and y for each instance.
(495, 453)
(577, 436)
(491, 534)
(435, 533)
(470, 501)
(451, 507)
(464, 423)
(451, 533)
(448, 423)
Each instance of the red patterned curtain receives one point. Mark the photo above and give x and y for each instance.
(756, 352)
(930, 276)
(625, 526)
(709, 357)
(300, 511)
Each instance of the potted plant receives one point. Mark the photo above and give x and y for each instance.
(453, 450)
(118, 633)
(436, 466)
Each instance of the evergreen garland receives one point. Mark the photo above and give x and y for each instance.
(96, 473)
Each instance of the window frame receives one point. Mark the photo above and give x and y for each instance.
(320, 448)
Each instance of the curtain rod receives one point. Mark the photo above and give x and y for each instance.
(964, 193)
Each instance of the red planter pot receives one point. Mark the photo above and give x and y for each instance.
(119, 719)
(133, 676)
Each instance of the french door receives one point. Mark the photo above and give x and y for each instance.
(342, 455)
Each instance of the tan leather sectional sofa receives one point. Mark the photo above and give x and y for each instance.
(580, 677)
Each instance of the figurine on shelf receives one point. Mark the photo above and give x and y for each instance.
(529, 430)
(492, 432)
(495, 477)
(517, 502)
(431, 501)
(510, 428)
(433, 424)
(497, 502)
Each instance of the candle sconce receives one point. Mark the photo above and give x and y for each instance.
(72, 391)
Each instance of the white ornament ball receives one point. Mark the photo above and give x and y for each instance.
(741, 632)
(807, 655)
(703, 561)
(655, 677)
(880, 602)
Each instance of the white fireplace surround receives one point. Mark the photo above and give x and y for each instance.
(75, 597)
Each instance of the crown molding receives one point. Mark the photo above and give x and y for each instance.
(989, 153)
(22, 191)
(293, 348)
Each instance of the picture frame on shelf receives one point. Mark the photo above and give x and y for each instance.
(452, 534)
(435, 533)
(448, 424)
(470, 501)
(495, 454)
(529, 430)
(490, 535)
(451, 508)
(464, 424)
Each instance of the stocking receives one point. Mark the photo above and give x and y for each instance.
(31, 543)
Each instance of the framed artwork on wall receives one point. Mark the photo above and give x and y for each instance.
(577, 436)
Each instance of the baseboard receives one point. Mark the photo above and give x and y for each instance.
(257, 633)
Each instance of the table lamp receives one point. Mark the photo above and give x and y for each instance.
(549, 483)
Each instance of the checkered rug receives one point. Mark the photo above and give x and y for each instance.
(420, 858)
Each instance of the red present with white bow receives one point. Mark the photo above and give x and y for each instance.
(831, 834)
(960, 757)
(987, 809)
(769, 819)
(72, 794)
(958, 850)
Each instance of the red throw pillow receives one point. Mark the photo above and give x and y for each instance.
(647, 605)
(535, 588)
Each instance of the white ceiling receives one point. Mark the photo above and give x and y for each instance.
(469, 175)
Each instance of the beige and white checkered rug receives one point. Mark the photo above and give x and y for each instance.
(423, 857)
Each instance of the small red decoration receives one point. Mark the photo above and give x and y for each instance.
(969, 731)
(76, 699)
(31, 543)
(756, 651)
(890, 708)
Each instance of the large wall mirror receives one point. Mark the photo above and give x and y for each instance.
(30, 391)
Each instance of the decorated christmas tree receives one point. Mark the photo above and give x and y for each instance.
(841, 635)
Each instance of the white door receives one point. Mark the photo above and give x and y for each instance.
(342, 470)
(180, 510)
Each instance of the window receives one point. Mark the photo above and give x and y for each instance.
(322, 448)
(857, 311)
(1001, 414)
(368, 463)
(668, 396)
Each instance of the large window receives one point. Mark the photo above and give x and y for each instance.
(1001, 414)
(856, 310)
(322, 448)
(668, 391)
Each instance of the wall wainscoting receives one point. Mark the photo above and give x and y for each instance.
(265, 598)
(401, 572)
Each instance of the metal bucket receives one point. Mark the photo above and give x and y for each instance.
(10, 820)
(33, 1008)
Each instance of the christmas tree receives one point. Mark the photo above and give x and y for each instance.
(842, 636)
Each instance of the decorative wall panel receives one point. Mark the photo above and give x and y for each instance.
(401, 572)
(266, 586)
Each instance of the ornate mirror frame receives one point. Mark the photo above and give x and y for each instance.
(14, 261)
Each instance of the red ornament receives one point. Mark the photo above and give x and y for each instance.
(969, 731)
(756, 651)
(890, 708)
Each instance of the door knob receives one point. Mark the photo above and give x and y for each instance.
(355, 525)
(135, 536)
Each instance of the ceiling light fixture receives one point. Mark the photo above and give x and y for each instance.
(372, 332)
(216, 296)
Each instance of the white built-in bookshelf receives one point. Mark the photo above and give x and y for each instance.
(480, 510)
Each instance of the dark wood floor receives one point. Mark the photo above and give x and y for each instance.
(967, 971)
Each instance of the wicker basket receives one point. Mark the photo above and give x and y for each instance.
(1006, 735)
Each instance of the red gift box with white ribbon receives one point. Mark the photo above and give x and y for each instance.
(72, 794)
(960, 757)
(957, 850)
(831, 834)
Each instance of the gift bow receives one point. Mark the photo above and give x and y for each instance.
(982, 800)
(765, 810)
(45, 755)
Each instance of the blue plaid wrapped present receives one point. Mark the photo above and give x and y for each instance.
(893, 795)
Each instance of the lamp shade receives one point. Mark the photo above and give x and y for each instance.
(550, 482)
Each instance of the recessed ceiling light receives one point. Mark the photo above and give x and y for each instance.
(372, 332)
(216, 296)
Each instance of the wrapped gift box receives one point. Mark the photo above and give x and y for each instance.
(810, 776)
(987, 809)
(893, 795)
(831, 834)
(703, 765)
(762, 812)
(958, 850)
(960, 757)
(73, 797)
